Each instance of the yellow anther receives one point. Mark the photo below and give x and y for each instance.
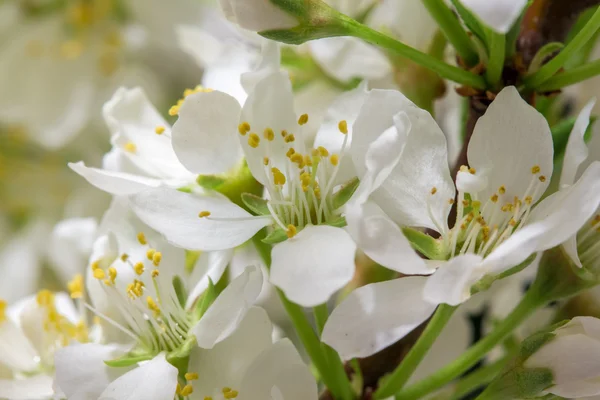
(308, 160)
(542, 178)
(465, 203)
(174, 110)
(334, 160)
(244, 128)
(464, 168)
(502, 189)
(3, 306)
(203, 214)
(95, 265)
(476, 204)
(178, 388)
(76, 286)
(507, 207)
(232, 394)
(71, 49)
(124, 257)
(343, 127)
(450, 201)
(323, 151)
(226, 390)
(291, 231)
(290, 138)
(433, 190)
(528, 200)
(208, 398)
(152, 305)
(303, 120)
(156, 258)
(112, 274)
(535, 169)
(269, 134)
(290, 152)
(139, 268)
(155, 273)
(150, 254)
(298, 159)
(159, 130)
(494, 198)
(99, 273)
(284, 133)
(278, 177)
(512, 222)
(187, 390)
(130, 147)
(191, 376)
(253, 140)
(45, 298)
(265, 160)
(142, 238)
(472, 171)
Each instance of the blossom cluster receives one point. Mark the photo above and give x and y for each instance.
(299, 200)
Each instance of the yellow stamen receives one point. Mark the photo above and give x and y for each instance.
(130, 147)
(142, 238)
(535, 169)
(124, 257)
(542, 178)
(3, 306)
(343, 127)
(187, 390)
(502, 189)
(139, 268)
(291, 231)
(159, 130)
(303, 120)
(155, 273)
(76, 286)
(99, 273)
(269, 134)
(334, 160)
(156, 258)
(278, 177)
(203, 214)
(290, 138)
(150, 254)
(191, 376)
(253, 140)
(244, 128)
(265, 160)
(433, 190)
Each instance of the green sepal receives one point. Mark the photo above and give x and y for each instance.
(232, 184)
(339, 222)
(191, 257)
(424, 244)
(180, 290)
(342, 196)
(256, 204)
(542, 55)
(303, 33)
(277, 235)
(211, 182)
(208, 297)
(128, 360)
(183, 351)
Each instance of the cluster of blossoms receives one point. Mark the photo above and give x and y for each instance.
(336, 177)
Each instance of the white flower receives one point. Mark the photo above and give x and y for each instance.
(500, 15)
(142, 155)
(257, 15)
(212, 133)
(31, 332)
(573, 356)
(498, 225)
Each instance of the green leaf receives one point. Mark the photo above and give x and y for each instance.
(542, 55)
(211, 182)
(424, 244)
(208, 297)
(256, 204)
(180, 290)
(342, 196)
(470, 20)
(277, 235)
(128, 360)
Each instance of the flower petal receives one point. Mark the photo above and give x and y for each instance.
(205, 135)
(35, 387)
(16, 351)
(374, 316)
(80, 370)
(227, 362)
(71, 244)
(500, 15)
(508, 141)
(175, 215)
(115, 183)
(229, 309)
(257, 15)
(314, 264)
(152, 380)
(209, 265)
(577, 151)
(451, 284)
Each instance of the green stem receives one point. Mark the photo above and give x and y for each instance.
(572, 76)
(549, 69)
(447, 71)
(416, 354)
(495, 65)
(482, 376)
(453, 30)
(529, 303)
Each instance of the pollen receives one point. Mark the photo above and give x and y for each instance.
(203, 214)
(303, 120)
(269, 134)
(433, 190)
(291, 231)
(99, 273)
(343, 127)
(142, 238)
(244, 128)
(253, 140)
(156, 258)
(130, 147)
(278, 177)
(139, 268)
(76, 286)
(290, 138)
(191, 376)
(159, 130)
(334, 160)
(535, 169)
(150, 254)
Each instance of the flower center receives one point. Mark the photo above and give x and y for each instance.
(154, 315)
(300, 184)
(588, 243)
(483, 224)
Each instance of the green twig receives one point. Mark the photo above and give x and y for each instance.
(570, 77)
(482, 376)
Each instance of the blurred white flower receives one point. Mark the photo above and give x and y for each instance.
(257, 15)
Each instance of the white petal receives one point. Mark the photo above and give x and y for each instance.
(202, 46)
(406, 194)
(451, 284)
(152, 380)
(209, 265)
(205, 134)
(229, 309)
(116, 183)
(70, 245)
(346, 58)
(279, 366)
(257, 15)
(80, 370)
(500, 15)
(576, 152)
(383, 241)
(471, 183)
(269, 63)
(508, 141)
(16, 351)
(36, 387)
(175, 215)
(374, 316)
(227, 362)
(270, 105)
(314, 264)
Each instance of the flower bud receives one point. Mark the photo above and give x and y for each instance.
(257, 15)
